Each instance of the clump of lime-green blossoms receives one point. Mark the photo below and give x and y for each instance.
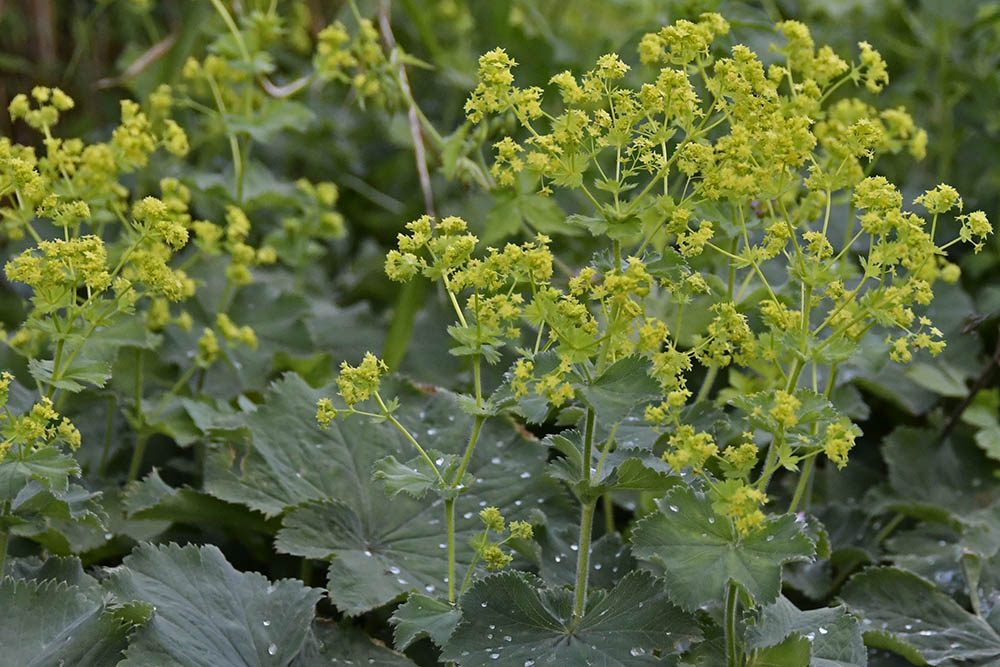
(739, 192)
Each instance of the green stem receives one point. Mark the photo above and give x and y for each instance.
(588, 443)
(449, 520)
(706, 385)
(889, 527)
(4, 535)
(101, 467)
(732, 595)
(181, 381)
(586, 523)
(971, 580)
(402, 429)
(477, 378)
(473, 438)
(800, 488)
(140, 450)
(609, 513)
(583, 559)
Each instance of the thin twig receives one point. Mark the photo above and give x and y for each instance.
(419, 154)
(150, 56)
(980, 382)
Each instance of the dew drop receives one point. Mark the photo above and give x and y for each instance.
(267, 623)
(573, 547)
(597, 566)
(394, 569)
(529, 663)
(368, 553)
(494, 656)
(823, 631)
(442, 546)
(482, 604)
(636, 652)
(525, 475)
(439, 461)
(495, 460)
(429, 588)
(673, 508)
(108, 536)
(432, 431)
(272, 649)
(467, 515)
(926, 633)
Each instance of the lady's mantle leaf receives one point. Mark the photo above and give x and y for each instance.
(701, 553)
(341, 644)
(907, 615)
(793, 652)
(509, 619)
(421, 616)
(373, 563)
(47, 465)
(53, 623)
(625, 387)
(341, 513)
(833, 634)
(205, 612)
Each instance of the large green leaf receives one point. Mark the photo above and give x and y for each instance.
(373, 564)
(623, 388)
(701, 553)
(343, 514)
(834, 635)
(938, 481)
(906, 614)
(50, 622)
(205, 612)
(792, 652)
(511, 619)
(340, 644)
(47, 465)
(422, 616)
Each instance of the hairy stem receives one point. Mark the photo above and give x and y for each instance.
(449, 520)
(137, 454)
(803, 483)
(732, 655)
(583, 559)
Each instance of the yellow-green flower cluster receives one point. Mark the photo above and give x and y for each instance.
(491, 552)
(358, 383)
(682, 42)
(39, 427)
(49, 101)
(213, 239)
(357, 61)
(740, 502)
(838, 441)
(325, 412)
(689, 448)
(233, 334)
